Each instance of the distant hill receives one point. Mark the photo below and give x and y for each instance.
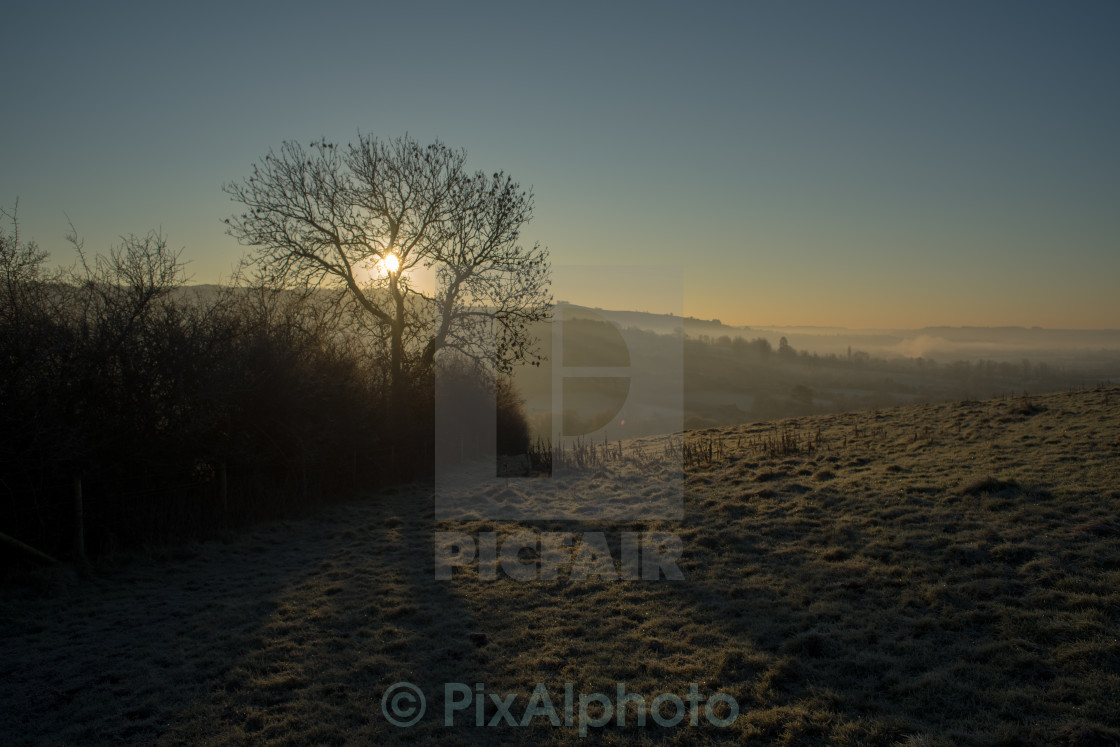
(939, 343)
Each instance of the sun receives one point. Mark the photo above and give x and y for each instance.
(378, 266)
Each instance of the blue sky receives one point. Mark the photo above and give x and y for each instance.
(848, 164)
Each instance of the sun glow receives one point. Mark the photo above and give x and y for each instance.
(390, 262)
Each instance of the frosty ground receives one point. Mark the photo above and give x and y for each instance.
(934, 574)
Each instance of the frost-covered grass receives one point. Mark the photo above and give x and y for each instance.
(935, 574)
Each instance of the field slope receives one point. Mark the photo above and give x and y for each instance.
(935, 574)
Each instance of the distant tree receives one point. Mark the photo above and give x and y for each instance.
(361, 219)
(513, 421)
(785, 349)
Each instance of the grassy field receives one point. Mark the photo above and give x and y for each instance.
(928, 575)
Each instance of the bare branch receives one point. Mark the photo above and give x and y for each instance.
(314, 216)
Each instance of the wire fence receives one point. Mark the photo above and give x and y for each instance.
(94, 512)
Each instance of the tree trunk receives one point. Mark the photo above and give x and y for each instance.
(396, 349)
(398, 389)
(396, 361)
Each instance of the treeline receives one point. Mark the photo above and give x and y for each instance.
(980, 370)
(135, 411)
(729, 380)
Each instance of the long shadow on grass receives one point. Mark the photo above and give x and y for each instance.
(830, 618)
(365, 614)
(906, 622)
(291, 633)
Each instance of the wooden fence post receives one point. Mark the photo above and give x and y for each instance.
(79, 519)
(223, 490)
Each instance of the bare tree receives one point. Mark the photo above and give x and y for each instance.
(21, 272)
(362, 219)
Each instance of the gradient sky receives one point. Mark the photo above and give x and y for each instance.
(850, 164)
